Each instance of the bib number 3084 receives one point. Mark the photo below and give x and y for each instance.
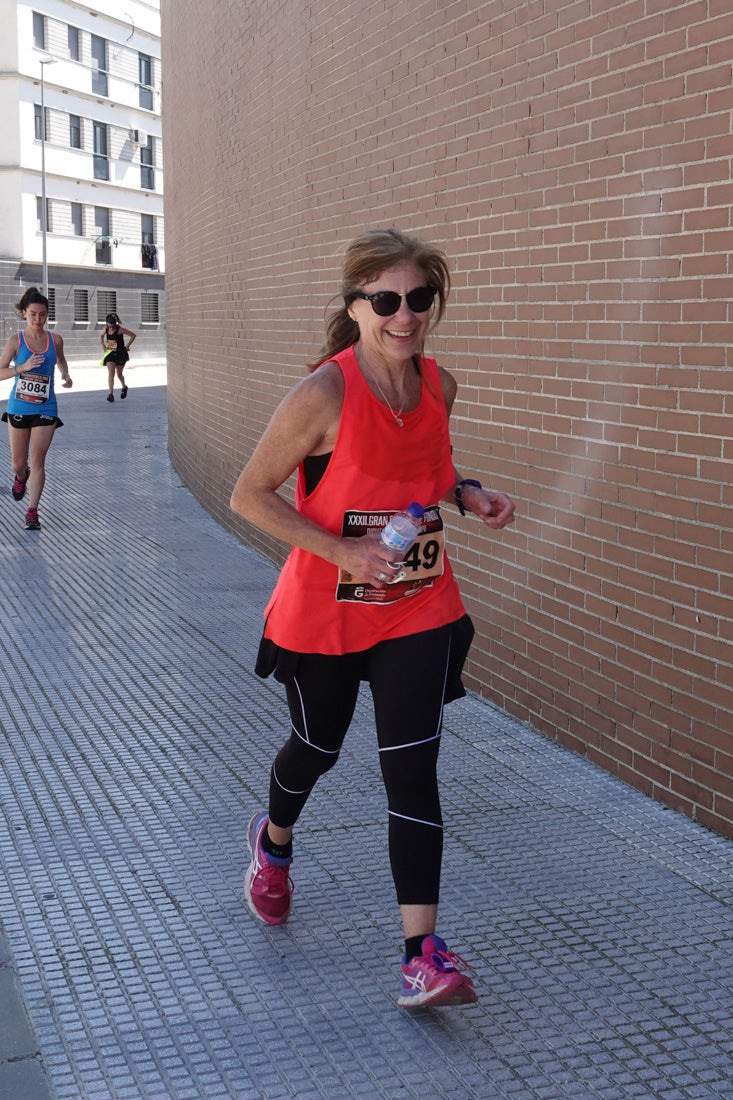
(33, 387)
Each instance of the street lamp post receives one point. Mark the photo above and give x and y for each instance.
(44, 218)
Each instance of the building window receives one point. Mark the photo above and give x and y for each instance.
(101, 157)
(39, 31)
(149, 308)
(51, 295)
(145, 80)
(103, 244)
(38, 121)
(147, 172)
(99, 65)
(150, 257)
(148, 246)
(75, 131)
(77, 219)
(106, 303)
(73, 40)
(39, 214)
(81, 307)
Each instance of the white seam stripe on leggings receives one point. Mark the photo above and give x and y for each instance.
(417, 820)
(410, 744)
(436, 735)
(304, 736)
(287, 789)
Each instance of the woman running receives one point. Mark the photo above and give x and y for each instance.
(116, 353)
(367, 432)
(31, 413)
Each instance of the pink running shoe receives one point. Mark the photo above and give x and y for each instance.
(32, 522)
(433, 979)
(18, 489)
(267, 884)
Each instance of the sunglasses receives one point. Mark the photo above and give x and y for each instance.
(386, 303)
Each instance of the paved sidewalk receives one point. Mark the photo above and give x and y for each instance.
(137, 743)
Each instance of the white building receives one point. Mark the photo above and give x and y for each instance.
(94, 71)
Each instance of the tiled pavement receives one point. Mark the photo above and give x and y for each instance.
(136, 744)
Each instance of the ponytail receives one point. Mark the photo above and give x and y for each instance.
(341, 332)
(31, 297)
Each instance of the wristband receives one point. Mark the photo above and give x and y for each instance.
(458, 491)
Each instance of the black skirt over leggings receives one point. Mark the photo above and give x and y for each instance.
(411, 678)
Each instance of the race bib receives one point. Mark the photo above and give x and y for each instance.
(421, 567)
(33, 387)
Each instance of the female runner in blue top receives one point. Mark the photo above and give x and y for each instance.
(31, 413)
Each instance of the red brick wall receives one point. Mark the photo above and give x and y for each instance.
(574, 160)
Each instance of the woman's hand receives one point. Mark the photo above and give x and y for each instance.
(368, 559)
(495, 509)
(61, 362)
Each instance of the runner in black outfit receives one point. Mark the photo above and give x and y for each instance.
(116, 352)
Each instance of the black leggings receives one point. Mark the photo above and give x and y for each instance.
(407, 677)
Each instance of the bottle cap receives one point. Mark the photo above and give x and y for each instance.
(416, 510)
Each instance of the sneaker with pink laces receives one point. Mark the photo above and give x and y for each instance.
(19, 487)
(433, 979)
(32, 522)
(267, 884)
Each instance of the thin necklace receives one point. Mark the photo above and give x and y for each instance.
(397, 415)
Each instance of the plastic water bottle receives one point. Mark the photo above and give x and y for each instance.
(402, 529)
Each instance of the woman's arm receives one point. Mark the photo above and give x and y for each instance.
(305, 423)
(61, 361)
(9, 352)
(495, 509)
(131, 334)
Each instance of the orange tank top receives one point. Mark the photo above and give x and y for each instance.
(376, 468)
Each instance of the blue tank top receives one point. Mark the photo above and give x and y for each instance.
(33, 390)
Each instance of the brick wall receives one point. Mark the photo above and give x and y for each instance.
(574, 160)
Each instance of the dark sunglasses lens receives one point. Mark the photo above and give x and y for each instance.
(420, 299)
(386, 303)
